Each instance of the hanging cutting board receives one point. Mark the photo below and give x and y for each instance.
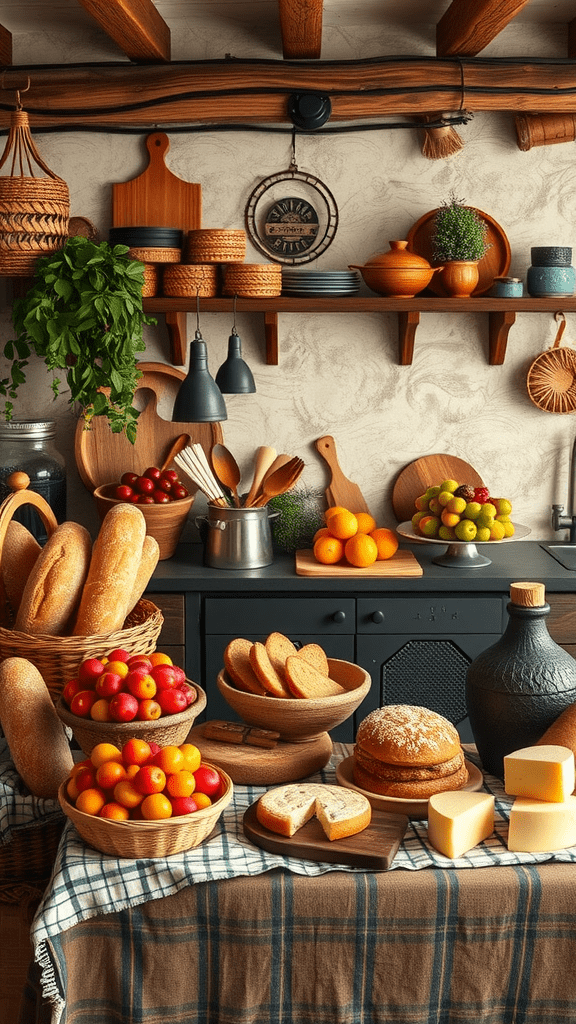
(102, 456)
(413, 480)
(402, 563)
(157, 197)
(374, 848)
(340, 490)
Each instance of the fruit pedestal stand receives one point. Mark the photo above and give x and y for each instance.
(460, 554)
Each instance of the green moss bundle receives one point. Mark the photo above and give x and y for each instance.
(301, 515)
(459, 233)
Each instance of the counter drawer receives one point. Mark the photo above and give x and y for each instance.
(250, 616)
(434, 614)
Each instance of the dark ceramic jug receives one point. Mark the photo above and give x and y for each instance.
(518, 687)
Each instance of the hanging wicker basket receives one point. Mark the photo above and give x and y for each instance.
(551, 379)
(34, 211)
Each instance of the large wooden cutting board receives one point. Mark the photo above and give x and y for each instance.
(413, 480)
(157, 197)
(402, 563)
(102, 456)
(340, 490)
(374, 848)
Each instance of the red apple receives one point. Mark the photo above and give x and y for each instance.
(182, 805)
(179, 491)
(145, 499)
(123, 492)
(189, 692)
(70, 690)
(123, 707)
(172, 701)
(108, 684)
(164, 676)
(129, 479)
(207, 781)
(141, 687)
(160, 497)
(171, 475)
(139, 659)
(163, 484)
(180, 675)
(144, 485)
(118, 654)
(89, 671)
(82, 702)
(153, 473)
(149, 711)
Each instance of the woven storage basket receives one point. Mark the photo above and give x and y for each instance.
(28, 857)
(164, 731)
(216, 245)
(551, 378)
(155, 255)
(57, 657)
(148, 839)
(34, 211)
(262, 280)
(189, 280)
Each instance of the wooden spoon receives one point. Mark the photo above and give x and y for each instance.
(177, 446)
(280, 460)
(282, 480)
(227, 470)
(263, 459)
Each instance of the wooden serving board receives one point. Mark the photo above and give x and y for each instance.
(257, 766)
(494, 263)
(340, 490)
(413, 480)
(102, 456)
(402, 563)
(157, 197)
(374, 848)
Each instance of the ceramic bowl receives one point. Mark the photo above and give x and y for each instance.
(301, 719)
(164, 522)
(544, 281)
(551, 255)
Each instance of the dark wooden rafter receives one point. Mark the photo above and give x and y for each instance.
(5, 46)
(468, 26)
(301, 28)
(134, 25)
(572, 38)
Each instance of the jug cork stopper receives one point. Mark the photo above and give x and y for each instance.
(528, 595)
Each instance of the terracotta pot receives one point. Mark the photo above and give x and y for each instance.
(397, 273)
(460, 278)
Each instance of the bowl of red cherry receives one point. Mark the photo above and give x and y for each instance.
(162, 497)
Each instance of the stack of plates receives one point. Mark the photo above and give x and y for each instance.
(320, 282)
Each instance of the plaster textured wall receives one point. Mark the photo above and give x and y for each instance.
(339, 374)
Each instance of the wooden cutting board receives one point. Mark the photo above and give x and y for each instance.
(102, 456)
(374, 848)
(340, 490)
(157, 197)
(402, 563)
(413, 480)
(257, 766)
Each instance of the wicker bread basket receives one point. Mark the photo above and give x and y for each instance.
(551, 381)
(263, 280)
(57, 658)
(148, 839)
(216, 245)
(187, 279)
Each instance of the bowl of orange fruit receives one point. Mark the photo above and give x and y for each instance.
(145, 800)
(353, 539)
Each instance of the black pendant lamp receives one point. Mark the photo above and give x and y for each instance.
(235, 376)
(199, 399)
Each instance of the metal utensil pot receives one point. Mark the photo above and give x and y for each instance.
(236, 538)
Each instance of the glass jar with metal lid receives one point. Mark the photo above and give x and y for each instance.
(28, 445)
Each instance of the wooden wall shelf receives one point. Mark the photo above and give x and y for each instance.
(501, 316)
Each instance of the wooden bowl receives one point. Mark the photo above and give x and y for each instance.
(164, 522)
(164, 730)
(301, 719)
(148, 839)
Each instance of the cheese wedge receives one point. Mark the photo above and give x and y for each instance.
(540, 773)
(539, 827)
(458, 821)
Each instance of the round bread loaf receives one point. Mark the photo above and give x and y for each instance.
(114, 567)
(341, 812)
(54, 586)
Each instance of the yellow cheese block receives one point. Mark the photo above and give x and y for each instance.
(459, 821)
(539, 827)
(540, 773)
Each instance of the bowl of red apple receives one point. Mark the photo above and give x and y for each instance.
(120, 696)
(162, 497)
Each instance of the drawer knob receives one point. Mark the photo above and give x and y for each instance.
(377, 616)
(339, 616)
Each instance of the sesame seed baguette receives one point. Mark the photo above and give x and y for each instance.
(116, 557)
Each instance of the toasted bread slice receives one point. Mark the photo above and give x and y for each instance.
(315, 655)
(266, 673)
(278, 648)
(238, 667)
(306, 681)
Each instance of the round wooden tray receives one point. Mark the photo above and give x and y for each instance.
(258, 766)
(495, 262)
(395, 804)
(413, 480)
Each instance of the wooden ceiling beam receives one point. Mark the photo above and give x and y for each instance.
(251, 92)
(301, 28)
(134, 25)
(5, 46)
(468, 26)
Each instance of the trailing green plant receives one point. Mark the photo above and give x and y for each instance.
(83, 314)
(459, 233)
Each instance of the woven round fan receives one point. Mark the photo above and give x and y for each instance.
(552, 376)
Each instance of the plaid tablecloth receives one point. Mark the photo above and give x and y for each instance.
(87, 885)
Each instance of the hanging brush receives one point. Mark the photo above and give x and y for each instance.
(441, 140)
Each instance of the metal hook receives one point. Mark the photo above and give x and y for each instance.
(17, 91)
(234, 331)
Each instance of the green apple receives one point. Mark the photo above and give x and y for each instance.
(465, 530)
(472, 510)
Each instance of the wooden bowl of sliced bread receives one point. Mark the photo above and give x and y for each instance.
(285, 691)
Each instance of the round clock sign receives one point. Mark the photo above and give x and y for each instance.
(291, 217)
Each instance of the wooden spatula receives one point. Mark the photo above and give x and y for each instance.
(340, 490)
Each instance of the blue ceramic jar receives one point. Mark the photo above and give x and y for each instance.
(544, 281)
(507, 288)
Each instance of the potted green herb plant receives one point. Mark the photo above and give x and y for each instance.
(83, 314)
(459, 241)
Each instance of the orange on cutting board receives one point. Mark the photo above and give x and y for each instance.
(386, 542)
(361, 550)
(328, 550)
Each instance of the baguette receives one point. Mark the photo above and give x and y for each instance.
(148, 562)
(116, 558)
(54, 587)
(19, 555)
(562, 732)
(35, 735)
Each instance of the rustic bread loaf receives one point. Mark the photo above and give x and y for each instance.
(148, 562)
(238, 667)
(54, 587)
(562, 732)
(266, 673)
(341, 812)
(35, 735)
(304, 680)
(19, 554)
(116, 558)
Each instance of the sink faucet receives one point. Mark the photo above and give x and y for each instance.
(567, 522)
